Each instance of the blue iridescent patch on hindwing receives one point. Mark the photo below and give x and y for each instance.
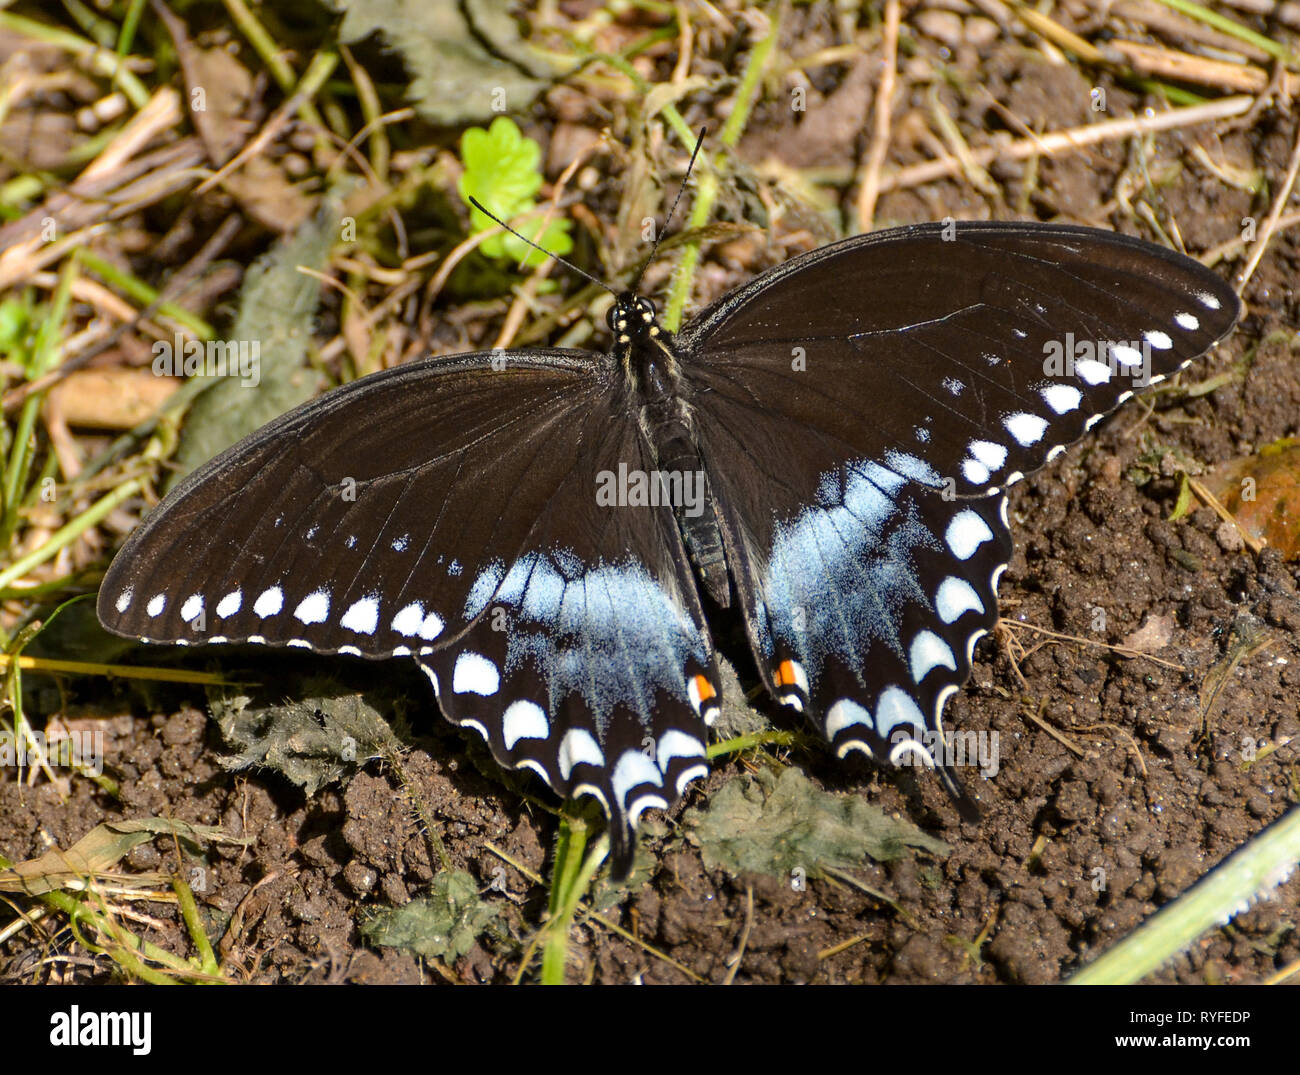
(872, 598)
(587, 675)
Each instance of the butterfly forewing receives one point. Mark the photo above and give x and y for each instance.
(353, 523)
(993, 348)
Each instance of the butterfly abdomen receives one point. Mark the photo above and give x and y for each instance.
(684, 482)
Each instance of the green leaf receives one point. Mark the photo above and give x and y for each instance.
(502, 172)
(14, 325)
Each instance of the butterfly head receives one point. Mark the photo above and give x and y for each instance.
(632, 317)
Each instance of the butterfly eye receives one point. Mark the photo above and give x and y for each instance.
(612, 316)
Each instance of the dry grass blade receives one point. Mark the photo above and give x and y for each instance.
(96, 853)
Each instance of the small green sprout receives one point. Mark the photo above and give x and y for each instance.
(501, 171)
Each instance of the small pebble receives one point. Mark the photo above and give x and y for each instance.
(944, 26)
(1229, 537)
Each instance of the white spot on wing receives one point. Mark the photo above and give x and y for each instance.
(956, 597)
(695, 772)
(269, 602)
(1062, 397)
(896, 707)
(1159, 340)
(230, 604)
(966, 533)
(991, 455)
(633, 769)
(1126, 355)
(124, 600)
(362, 617)
(475, 674)
(578, 746)
(928, 652)
(1092, 371)
(1188, 321)
(675, 744)
(407, 621)
(156, 604)
(911, 746)
(314, 608)
(1026, 428)
(1207, 300)
(523, 720)
(641, 805)
(843, 714)
(538, 768)
(192, 608)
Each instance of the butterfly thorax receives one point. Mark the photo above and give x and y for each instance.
(648, 359)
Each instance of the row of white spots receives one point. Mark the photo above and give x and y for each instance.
(474, 673)
(986, 458)
(361, 617)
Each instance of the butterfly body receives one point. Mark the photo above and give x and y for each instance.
(825, 449)
(649, 362)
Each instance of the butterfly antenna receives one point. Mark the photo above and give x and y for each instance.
(680, 190)
(541, 249)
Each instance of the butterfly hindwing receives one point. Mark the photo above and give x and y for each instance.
(597, 629)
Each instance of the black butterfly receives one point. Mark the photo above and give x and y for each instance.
(825, 447)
